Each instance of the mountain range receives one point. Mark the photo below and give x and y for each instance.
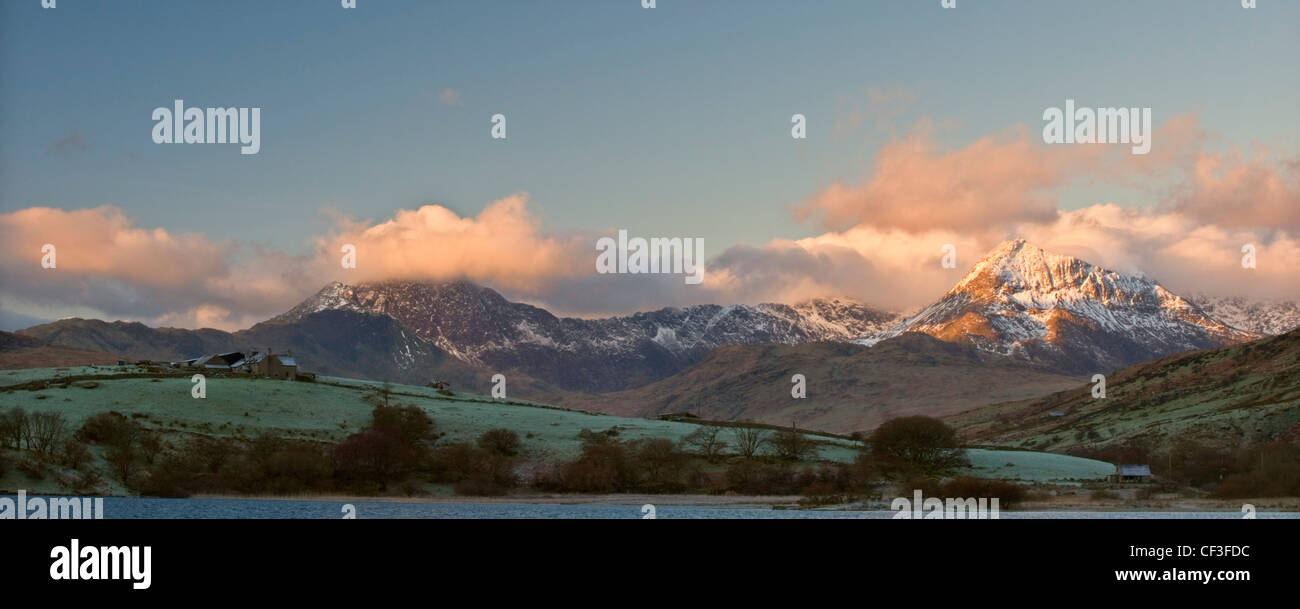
(482, 328)
(1021, 322)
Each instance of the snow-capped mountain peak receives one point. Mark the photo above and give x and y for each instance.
(1064, 312)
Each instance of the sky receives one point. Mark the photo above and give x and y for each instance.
(923, 128)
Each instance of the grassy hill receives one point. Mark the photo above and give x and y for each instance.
(332, 408)
(1227, 398)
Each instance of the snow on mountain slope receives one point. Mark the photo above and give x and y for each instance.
(1065, 313)
(479, 326)
(1273, 317)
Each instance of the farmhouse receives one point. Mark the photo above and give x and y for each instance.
(266, 364)
(275, 366)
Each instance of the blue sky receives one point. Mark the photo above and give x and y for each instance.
(618, 116)
(668, 121)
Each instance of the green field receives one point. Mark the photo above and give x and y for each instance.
(332, 408)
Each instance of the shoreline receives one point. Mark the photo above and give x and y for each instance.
(1275, 504)
(774, 502)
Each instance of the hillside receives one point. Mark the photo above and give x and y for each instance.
(1228, 397)
(19, 351)
(850, 387)
(340, 343)
(332, 408)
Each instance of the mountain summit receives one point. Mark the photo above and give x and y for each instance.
(1065, 313)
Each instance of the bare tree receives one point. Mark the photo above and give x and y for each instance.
(792, 445)
(13, 428)
(45, 431)
(749, 440)
(706, 441)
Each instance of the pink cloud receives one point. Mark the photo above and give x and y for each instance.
(1243, 193)
(915, 186)
(503, 245)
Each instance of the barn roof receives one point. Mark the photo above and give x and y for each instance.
(228, 359)
(286, 361)
(1134, 470)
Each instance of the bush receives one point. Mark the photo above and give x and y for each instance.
(1270, 470)
(753, 477)
(461, 462)
(150, 446)
(660, 466)
(374, 457)
(604, 467)
(929, 486)
(74, 453)
(32, 468)
(923, 444)
(862, 475)
(288, 466)
(108, 429)
(87, 482)
(410, 423)
(791, 445)
(500, 441)
(122, 460)
(174, 476)
(1008, 494)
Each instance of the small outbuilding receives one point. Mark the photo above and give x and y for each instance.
(1132, 473)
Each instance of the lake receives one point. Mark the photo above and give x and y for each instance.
(145, 507)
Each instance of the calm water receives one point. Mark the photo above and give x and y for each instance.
(135, 507)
